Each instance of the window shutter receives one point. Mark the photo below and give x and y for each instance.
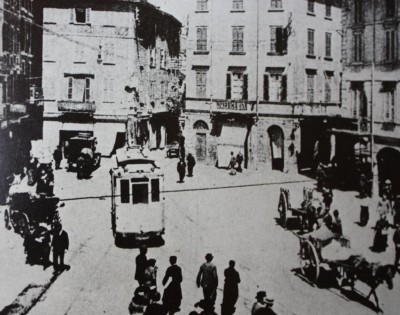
(279, 40)
(266, 87)
(72, 15)
(284, 40)
(228, 86)
(284, 88)
(88, 10)
(245, 85)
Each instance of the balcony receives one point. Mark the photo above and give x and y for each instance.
(76, 107)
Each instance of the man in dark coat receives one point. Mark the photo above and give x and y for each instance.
(191, 162)
(141, 261)
(231, 290)
(207, 278)
(239, 161)
(396, 241)
(336, 226)
(173, 293)
(57, 155)
(181, 168)
(60, 244)
(155, 308)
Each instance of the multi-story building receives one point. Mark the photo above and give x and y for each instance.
(371, 77)
(20, 115)
(105, 60)
(263, 78)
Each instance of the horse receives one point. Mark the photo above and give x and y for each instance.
(372, 274)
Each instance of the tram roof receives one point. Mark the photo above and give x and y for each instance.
(128, 155)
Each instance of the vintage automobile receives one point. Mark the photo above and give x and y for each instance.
(82, 146)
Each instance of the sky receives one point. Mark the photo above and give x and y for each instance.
(178, 8)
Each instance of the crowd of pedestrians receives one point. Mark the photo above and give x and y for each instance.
(181, 167)
(147, 299)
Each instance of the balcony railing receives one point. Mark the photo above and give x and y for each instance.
(76, 107)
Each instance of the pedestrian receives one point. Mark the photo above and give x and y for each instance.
(232, 162)
(262, 305)
(336, 226)
(191, 162)
(139, 301)
(239, 161)
(327, 196)
(383, 207)
(231, 289)
(181, 168)
(60, 245)
(57, 155)
(381, 235)
(173, 293)
(387, 190)
(150, 276)
(396, 211)
(155, 308)
(207, 278)
(320, 176)
(141, 261)
(396, 241)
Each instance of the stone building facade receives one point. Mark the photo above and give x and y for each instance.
(371, 81)
(263, 78)
(104, 60)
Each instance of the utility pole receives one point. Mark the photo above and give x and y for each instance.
(372, 98)
(257, 61)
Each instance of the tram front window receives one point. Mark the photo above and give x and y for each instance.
(140, 193)
(155, 190)
(124, 190)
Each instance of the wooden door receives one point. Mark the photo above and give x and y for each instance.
(201, 146)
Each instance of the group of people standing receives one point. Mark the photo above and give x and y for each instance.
(181, 167)
(235, 160)
(147, 299)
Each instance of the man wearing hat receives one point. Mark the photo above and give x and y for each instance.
(263, 305)
(207, 278)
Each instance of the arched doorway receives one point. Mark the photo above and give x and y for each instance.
(388, 167)
(201, 129)
(276, 139)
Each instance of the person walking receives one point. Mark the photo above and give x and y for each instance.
(231, 290)
(57, 155)
(239, 161)
(141, 261)
(60, 245)
(336, 226)
(381, 235)
(181, 168)
(150, 276)
(327, 196)
(396, 241)
(173, 293)
(191, 162)
(207, 278)
(262, 306)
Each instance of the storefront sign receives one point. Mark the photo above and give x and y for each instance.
(231, 105)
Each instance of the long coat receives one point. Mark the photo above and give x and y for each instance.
(231, 287)
(60, 242)
(173, 293)
(141, 261)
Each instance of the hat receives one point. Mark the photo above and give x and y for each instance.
(388, 182)
(261, 294)
(209, 256)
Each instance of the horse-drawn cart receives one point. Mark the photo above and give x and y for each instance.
(323, 249)
(308, 213)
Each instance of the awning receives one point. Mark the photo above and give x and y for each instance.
(232, 139)
(77, 127)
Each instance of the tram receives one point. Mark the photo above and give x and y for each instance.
(137, 209)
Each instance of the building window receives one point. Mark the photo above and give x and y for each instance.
(310, 6)
(108, 89)
(202, 38)
(80, 15)
(310, 47)
(276, 4)
(391, 45)
(278, 40)
(201, 83)
(389, 100)
(153, 60)
(358, 47)
(70, 84)
(237, 86)
(328, 45)
(328, 87)
(202, 5)
(310, 87)
(390, 8)
(328, 8)
(109, 53)
(87, 90)
(79, 53)
(359, 101)
(163, 59)
(275, 85)
(237, 4)
(358, 11)
(237, 39)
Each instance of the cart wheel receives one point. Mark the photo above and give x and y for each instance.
(22, 223)
(309, 261)
(282, 209)
(7, 219)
